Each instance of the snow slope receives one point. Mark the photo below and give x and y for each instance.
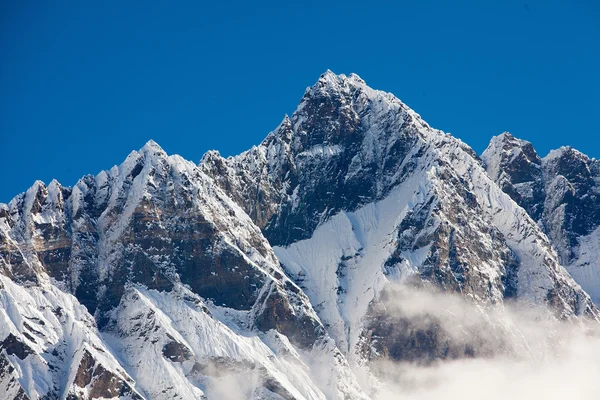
(157, 222)
(561, 192)
(267, 275)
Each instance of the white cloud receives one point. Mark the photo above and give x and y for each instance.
(535, 356)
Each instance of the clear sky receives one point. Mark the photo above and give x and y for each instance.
(81, 85)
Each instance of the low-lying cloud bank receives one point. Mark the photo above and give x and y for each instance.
(574, 375)
(515, 352)
(520, 353)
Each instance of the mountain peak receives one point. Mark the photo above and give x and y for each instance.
(152, 147)
(565, 151)
(151, 153)
(508, 146)
(516, 167)
(329, 75)
(507, 140)
(504, 136)
(332, 82)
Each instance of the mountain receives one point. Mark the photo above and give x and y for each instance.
(141, 280)
(356, 191)
(272, 274)
(561, 192)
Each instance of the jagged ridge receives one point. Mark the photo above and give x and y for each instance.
(158, 222)
(355, 192)
(560, 192)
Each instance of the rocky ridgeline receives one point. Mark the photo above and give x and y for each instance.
(160, 278)
(561, 192)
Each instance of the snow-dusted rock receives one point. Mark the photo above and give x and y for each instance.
(562, 193)
(357, 192)
(267, 275)
(159, 222)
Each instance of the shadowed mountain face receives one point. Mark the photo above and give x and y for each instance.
(516, 167)
(154, 223)
(161, 278)
(155, 220)
(561, 192)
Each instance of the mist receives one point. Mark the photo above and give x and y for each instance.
(520, 352)
(516, 352)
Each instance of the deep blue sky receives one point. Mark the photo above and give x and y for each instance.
(83, 85)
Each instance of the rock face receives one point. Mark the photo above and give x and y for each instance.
(324, 153)
(516, 167)
(562, 193)
(160, 223)
(357, 192)
(94, 381)
(160, 278)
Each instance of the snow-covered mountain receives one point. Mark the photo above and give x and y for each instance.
(268, 275)
(356, 191)
(148, 281)
(562, 193)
